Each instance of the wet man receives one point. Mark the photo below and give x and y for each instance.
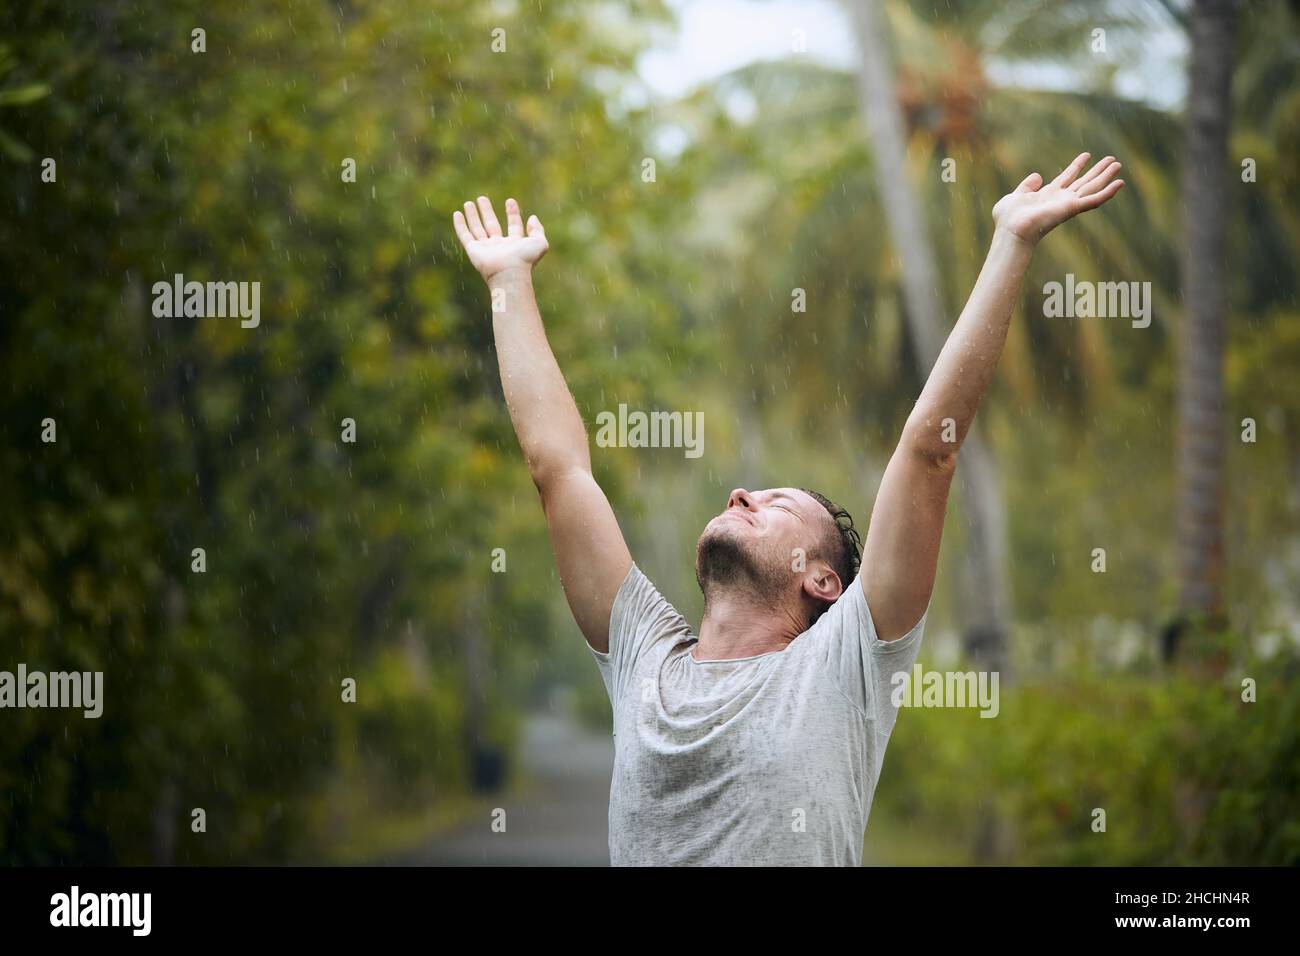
(758, 739)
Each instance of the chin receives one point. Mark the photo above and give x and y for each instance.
(724, 556)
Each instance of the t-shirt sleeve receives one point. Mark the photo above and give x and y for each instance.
(639, 618)
(861, 665)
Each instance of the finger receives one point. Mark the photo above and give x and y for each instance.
(535, 227)
(514, 220)
(1096, 199)
(1069, 172)
(1030, 183)
(1098, 183)
(1092, 173)
(475, 226)
(462, 230)
(489, 217)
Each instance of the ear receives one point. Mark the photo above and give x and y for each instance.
(821, 583)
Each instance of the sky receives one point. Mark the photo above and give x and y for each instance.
(717, 36)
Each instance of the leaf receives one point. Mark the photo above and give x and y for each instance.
(14, 149)
(22, 95)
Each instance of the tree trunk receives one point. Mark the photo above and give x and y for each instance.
(987, 592)
(1200, 371)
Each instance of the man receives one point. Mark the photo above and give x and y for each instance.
(758, 740)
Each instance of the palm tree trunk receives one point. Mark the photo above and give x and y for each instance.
(1200, 372)
(987, 593)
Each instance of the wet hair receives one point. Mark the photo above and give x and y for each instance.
(843, 550)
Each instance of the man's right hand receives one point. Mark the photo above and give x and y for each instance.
(491, 252)
(590, 553)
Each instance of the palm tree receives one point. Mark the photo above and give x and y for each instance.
(988, 599)
(1200, 370)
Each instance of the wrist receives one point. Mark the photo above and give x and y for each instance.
(1013, 240)
(510, 275)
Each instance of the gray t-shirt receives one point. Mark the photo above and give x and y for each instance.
(764, 760)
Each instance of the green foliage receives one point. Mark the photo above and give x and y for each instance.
(324, 558)
(1185, 771)
(371, 560)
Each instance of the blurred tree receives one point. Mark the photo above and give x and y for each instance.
(1204, 268)
(326, 559)
(986, 611)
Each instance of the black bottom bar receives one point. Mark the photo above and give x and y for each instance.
(330, 906)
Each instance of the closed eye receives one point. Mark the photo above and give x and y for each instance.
(795, 514)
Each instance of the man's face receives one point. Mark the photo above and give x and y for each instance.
(756, 542)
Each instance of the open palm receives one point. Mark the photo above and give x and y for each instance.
(1033, 210)
(489, 251)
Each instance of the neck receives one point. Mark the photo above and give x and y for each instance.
(742, 624)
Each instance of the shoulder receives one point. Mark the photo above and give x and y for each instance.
(641, 614)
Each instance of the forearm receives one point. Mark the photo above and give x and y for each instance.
(545, 417)
(901, 553)
(944, 412)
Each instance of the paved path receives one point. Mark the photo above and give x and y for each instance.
(558, 817)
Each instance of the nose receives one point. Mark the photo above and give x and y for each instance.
(740, 498)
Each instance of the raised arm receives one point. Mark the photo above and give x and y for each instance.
(590, 552)
(901, 552)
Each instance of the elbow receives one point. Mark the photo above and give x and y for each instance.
(547, 471)
(941, 461)
(543, 474)
(937, 445)
(944, 462)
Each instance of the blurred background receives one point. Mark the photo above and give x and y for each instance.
(784, 159)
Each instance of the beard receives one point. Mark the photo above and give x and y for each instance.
(724, 561)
